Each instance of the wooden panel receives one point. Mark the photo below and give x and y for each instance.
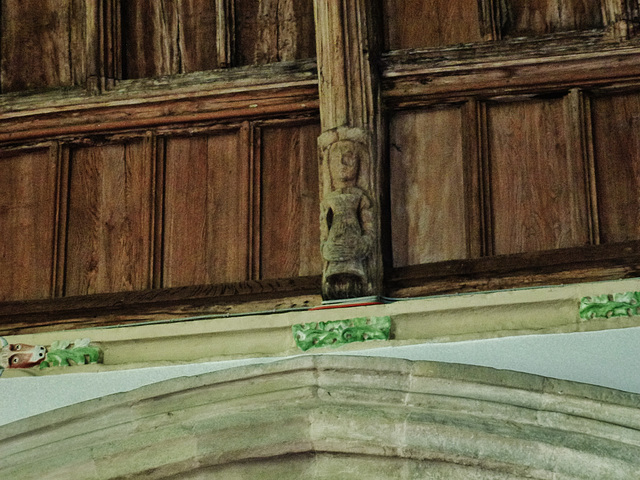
(427, 187)
(110, 211)
(27, 215)
(206, 210)
(290, 234)
(41, 43)
(537, 179)
(416, 23)
(270, 31)
(616, 125)
(168, 36)
(538, 17)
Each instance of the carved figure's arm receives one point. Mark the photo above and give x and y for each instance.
(366, 222)
(324, 227)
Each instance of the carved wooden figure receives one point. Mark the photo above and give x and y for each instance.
(346, 218)
(350, 147)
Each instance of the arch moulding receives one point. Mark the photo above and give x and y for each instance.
(337, 417)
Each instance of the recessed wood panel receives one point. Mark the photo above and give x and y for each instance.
(416, 23)
(537, 182)
(110, 209)
(27, 215)
(270, 31)
(41, 43)
(290, 229)
(427, 187)
(538, 17)
(206, 210)
(164, 37)
(616, 126)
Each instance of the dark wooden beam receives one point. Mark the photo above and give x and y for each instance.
(128, 308)
(568, 265)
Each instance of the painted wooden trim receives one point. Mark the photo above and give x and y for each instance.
(209, 334)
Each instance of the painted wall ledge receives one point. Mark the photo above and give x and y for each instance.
(337, 417)
(433, 319)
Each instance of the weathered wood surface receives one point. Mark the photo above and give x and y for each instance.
(535, 17)
(538, 193)
(207, 215)
(183, 109)
(167, 37)
(352, 146)
(268, 31)
(419, 24)
(427, 186)
(517, 66)
(158, 305)
(274, 90)
(289, 206)
(27, 214)
(37, 52)
(569, 265)
(109, 239)
(616, 130)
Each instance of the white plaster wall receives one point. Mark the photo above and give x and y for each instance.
(607, 358)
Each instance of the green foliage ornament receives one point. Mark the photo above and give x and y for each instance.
(62, 353)
(607, 306)
(340, 332)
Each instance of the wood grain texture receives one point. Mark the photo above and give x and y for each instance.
(270, 31)
(35, 44)
(109, 237)
(126, 308)
(290, 231)
(427, 188)
(416, 23)
(539, 17)
(206, 229)
(27, 213)
(348, 44)
(272, 90)
(108, 52)
(538, 188)
(616, 131)
(567, 265)
(167, 37)
(513, 66)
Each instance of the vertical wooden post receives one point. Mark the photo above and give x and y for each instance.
(350, 147)
(225, 32)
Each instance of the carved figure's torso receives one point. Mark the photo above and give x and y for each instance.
(347, 243)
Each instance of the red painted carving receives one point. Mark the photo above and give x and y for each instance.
(20, 355)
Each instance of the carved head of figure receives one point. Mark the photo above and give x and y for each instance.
(20, 355)
(344, 162)
(344, 152)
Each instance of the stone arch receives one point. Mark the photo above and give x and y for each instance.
(322, 417)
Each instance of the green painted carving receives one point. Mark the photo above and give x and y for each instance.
(607, 306)
(80, 354)
(339, 332)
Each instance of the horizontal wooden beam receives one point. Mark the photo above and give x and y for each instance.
(511, 67)
(157, 305)
(226, 95)
(568, 265)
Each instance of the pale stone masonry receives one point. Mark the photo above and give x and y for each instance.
(337, 417)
